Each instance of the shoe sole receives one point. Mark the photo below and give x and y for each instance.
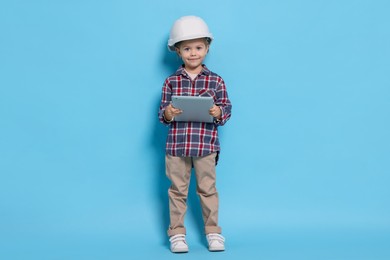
(179, 251)
(216, 249)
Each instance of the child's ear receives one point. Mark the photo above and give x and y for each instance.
(178, 51)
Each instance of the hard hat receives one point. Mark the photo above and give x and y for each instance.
(188, 28)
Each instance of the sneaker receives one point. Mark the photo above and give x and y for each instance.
(216, 242)
(178, 243)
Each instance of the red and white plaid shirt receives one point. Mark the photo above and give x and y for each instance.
(193, 139)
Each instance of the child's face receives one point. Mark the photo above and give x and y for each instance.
(193, 52)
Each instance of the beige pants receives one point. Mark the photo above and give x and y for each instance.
(178, 170)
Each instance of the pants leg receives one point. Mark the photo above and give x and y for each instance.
(206, 189)
(178, 171)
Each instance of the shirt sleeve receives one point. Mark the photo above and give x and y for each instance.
(166, 97)
(222, 100)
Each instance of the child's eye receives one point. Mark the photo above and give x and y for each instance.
(199, 48)
(186, 49)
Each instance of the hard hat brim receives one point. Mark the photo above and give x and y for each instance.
(172, 42)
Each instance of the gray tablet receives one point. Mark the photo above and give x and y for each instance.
(195, 109)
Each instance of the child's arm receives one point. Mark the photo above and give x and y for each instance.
(223, 103)
(167, 112)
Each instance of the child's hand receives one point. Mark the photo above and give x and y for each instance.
(216, 112)
(171, 112)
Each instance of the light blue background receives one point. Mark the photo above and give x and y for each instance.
(304, 169)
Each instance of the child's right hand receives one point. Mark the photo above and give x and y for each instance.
(171, 112)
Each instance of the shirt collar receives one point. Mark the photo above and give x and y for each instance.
(205, 71)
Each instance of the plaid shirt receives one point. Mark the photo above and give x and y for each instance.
(193, 139)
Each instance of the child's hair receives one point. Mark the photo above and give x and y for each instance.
(206, 39)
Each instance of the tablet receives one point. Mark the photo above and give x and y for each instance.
(195, 109)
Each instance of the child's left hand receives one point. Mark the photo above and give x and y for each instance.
(216, 112)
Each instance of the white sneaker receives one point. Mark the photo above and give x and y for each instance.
(216, 242)
(178, 243)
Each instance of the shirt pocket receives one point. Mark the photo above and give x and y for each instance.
(207, 93)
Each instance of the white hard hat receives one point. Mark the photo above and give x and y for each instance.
(188, 28)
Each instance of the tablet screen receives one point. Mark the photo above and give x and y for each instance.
(195, 109)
